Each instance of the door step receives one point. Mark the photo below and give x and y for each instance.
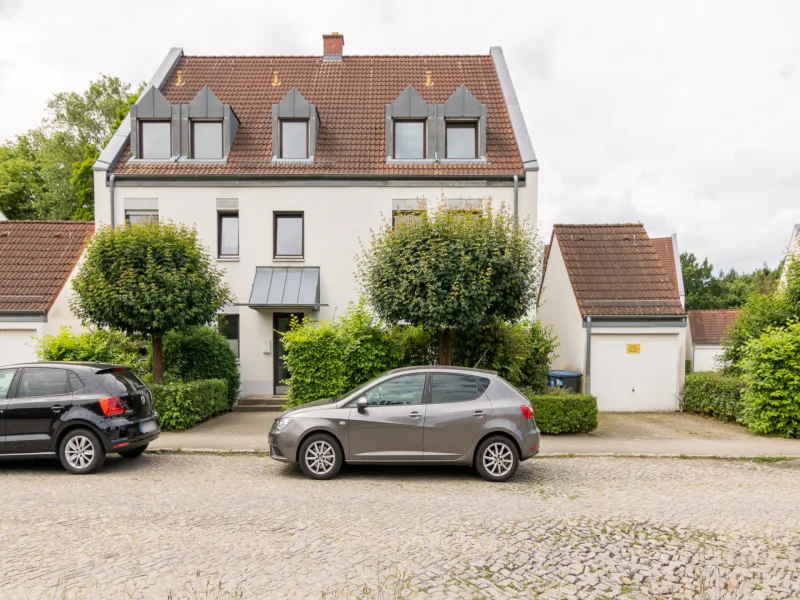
(260, 403)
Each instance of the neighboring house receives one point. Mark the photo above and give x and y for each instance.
(285, 163)
(792, 253)
(37, 260)
(707, 329)
(616, 309)
(2, 216)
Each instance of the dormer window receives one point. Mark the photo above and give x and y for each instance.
(207, 140)
(155, 139)
(461, 140)
(294, 138)
(409, 139)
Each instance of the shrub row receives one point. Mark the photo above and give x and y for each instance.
(183, 405)
(713, 394)
(564, 413)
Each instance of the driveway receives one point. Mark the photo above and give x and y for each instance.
(617, 433)
(219, 527)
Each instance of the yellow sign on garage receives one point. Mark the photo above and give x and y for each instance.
(633, 348)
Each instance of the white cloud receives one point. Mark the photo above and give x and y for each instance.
(681, 115)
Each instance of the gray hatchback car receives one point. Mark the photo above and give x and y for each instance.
(417, 415)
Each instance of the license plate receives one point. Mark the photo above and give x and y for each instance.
(148, 427)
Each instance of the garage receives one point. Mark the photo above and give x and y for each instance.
(17, 345)
(635, 372)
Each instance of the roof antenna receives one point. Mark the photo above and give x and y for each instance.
(481, 358)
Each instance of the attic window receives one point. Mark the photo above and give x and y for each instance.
(294, 138)
(155, 139)
(207, 140)
(409, 139)
(461, 140)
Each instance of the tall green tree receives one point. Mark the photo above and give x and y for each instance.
(148, 279)
(448, 270)
(705, 291)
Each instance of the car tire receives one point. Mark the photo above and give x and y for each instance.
(81, 452)
(497, 458)
(135, 453)
(321, 456)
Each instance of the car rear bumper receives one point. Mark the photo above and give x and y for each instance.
(127, 435)
(530, 445)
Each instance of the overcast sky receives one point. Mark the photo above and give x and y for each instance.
(682, 115)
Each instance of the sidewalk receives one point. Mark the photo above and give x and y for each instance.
(671, 434)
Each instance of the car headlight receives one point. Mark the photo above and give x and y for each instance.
(281, 424)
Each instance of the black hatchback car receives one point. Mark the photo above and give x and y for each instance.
(78, 412)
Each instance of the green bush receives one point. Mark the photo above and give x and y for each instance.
(717, 395)
(197, 353)
(183, 405)
(564, 413)
(771, 374)
(760, 312)
(97, 345)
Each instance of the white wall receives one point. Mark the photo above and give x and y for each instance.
(337, 220)
(59, 314)
(706, 357)
(558, 309)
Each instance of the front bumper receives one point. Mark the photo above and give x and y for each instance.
(530, 445)
(283, 445)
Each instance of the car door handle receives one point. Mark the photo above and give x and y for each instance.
(414, 415)
(57, 408)
(478, 413)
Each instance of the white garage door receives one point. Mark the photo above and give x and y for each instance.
(635, 372)
(16, 346)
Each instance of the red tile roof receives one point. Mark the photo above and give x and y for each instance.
(351, 97)
(710, 326)
(666, 255)
(616, 270)
(36, 259)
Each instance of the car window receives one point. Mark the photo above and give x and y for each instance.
(75, 382)
(122, 381)
(449, 387)
(6, 377)
(43, 382)
(484, 381)
(406, 389)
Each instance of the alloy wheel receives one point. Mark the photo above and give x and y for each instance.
(79, 451)
(497, 459)
(320, 457)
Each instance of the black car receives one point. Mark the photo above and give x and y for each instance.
(76, 411)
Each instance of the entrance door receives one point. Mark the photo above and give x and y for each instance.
(280, 324)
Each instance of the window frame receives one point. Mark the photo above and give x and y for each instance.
(22, 372)
(424, 123)
(140, 212)
(455, 124)
(192, 153)
(280, 147)
(278, 214)
(221, 215)
(141, 138)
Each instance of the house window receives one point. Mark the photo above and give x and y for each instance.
(288, 235)
(461, 140)
(229, 327)
(409, 139)
(228, 234)
(155, 139)
(134, 217)
(294, 139)
(402, 217)
(207, 140)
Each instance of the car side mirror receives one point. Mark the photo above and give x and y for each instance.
(362, 403)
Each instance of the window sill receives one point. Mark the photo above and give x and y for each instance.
(203, 161)
(464, 161)
(153, 161)
(289, 259)
(292, 161)
(409, 161)
(227, 259)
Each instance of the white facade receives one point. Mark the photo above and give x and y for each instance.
(337, 220)
(706, 357)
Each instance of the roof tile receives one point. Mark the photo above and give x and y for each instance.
(711, 326)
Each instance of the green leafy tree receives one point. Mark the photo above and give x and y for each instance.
(705, 291)
(19, 184)
(148, 279)
(449, 270)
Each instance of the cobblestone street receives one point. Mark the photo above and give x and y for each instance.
(205, 526)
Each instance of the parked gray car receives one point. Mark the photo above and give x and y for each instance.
(416, 415)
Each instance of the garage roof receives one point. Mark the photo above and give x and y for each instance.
(36, 259)
(616, 270)
(711, 326)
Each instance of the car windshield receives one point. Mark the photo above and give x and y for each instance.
(361, 387)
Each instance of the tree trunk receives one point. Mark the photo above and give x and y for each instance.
(158, 359)
(445, 347)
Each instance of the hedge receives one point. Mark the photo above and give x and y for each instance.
(564, 413)
(183, 405)
(713, 394)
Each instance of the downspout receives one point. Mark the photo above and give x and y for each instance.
(111, 194)
(588, 379)
(516, 199)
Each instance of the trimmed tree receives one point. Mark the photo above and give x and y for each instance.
(448, 269)
(148, 279)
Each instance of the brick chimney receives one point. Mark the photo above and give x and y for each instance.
(332, 47)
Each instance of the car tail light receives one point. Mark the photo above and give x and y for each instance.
(111, 406)
(526, 411)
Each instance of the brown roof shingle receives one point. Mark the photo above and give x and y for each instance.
(36, 259)
(666, 255)
(616, 270)
(350, 96)
(711, 326)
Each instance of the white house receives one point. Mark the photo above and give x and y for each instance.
(37, 260)
(285, 163)
(614, 301)
(707, 329)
